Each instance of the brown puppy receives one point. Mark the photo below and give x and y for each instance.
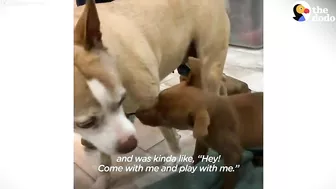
(232, 85)
(225, 124)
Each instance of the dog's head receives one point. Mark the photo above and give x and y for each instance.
(175, 106)
(235, 86)
(98, 91)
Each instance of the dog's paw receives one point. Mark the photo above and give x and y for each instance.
(198, 134)
(102, 182)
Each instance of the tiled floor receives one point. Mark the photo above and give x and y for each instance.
(246, 65)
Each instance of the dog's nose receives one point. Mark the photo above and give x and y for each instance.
(127, 145)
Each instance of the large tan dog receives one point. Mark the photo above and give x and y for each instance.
(121, 52)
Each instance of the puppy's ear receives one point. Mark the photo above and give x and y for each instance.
(194, 78)
(201, 123)
(149, 117)
(87, 29)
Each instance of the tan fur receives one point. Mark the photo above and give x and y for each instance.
(132, 44)
(227, 124)
(157, 38)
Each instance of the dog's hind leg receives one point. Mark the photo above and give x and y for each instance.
(212, 47)
(212, 69)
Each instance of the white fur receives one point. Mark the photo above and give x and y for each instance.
(114, 127)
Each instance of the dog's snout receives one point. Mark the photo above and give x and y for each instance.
(127, 144)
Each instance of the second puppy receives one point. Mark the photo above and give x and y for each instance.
(227, 124)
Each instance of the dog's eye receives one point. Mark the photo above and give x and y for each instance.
(116, 106)
(88, 123)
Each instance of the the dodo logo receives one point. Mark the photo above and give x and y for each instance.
(301, 11)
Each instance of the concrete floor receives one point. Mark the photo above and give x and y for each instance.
(246, 65)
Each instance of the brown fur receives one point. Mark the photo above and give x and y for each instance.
(232, 85)
(229, 84)
(227, 124)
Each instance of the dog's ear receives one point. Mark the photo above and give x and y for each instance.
(150, 117)
(87, 29)
(194, 77)
(201, 123)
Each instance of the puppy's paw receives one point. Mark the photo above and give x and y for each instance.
(198, 133)
(196, 159)
(102, 182)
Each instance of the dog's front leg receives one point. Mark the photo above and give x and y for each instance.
(172, 140)
(103, 179)
(231, 178)
(200, 149)
(232, 152)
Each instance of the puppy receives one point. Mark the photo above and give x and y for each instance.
(123, 49)
(227, 124)
(233, 86)
(230, 84)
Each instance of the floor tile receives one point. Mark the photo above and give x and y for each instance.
(150, 178)
(81, 179)
(163, 86)
(88, 160)
(171, 75)
(147, 136)
(255, 81)
(187, 145)
(246, 65)
(126, 186)
(185, 133)
(172, 81)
